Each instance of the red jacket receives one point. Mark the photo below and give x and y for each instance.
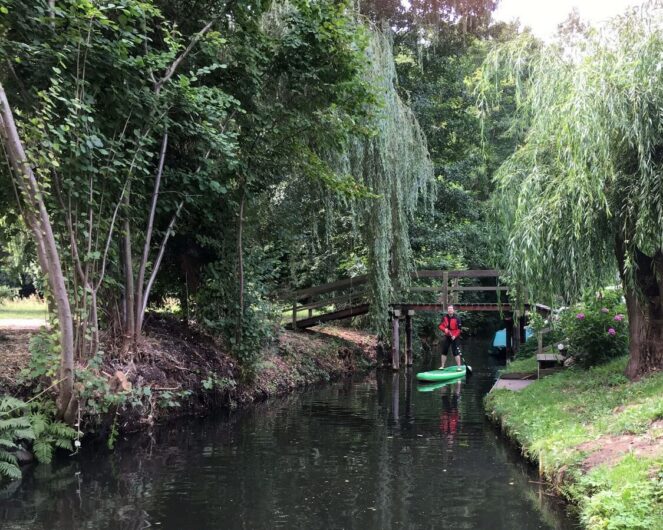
(450, 326)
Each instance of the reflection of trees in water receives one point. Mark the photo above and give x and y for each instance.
(341, 455)
(65, 497)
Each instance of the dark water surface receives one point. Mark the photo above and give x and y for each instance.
(369, 453)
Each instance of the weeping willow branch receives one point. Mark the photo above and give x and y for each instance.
(395, 165)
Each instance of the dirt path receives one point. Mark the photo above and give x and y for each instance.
(21, 323)
(363, 339)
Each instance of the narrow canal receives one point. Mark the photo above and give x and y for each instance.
(374, 452)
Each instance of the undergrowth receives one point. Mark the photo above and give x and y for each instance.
(29, 425)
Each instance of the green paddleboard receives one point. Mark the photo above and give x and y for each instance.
(434, 386)
(447, 374)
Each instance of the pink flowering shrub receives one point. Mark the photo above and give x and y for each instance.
(597, 331)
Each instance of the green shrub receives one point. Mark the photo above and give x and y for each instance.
(33, 424)
(597, 330)
(6, 294)
(217, 310)
(44, 358)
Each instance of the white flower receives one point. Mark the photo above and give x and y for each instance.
(77, 444)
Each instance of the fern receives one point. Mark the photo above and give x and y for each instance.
(43, 451)
(39, 423)
(7, 444)
(11, 471)
(11, 424)
(29, 423)
(8, 457)
(8, 403)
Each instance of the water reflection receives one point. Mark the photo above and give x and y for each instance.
(450, 415)
(370, 453)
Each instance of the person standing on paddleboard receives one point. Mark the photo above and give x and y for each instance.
(450, 326)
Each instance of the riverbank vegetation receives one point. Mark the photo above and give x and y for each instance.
(171, 170)
(580, 197)
(210, 156)
(597, 437)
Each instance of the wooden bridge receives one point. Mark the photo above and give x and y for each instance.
(430, 290)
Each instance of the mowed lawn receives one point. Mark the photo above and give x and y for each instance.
(25, 309)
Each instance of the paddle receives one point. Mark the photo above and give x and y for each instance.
(468, 368)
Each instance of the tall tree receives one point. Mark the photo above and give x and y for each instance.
(582, 196)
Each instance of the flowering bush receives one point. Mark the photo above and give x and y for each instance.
(597, 331)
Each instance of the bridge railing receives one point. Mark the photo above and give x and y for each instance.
(447, 287)
(343, 294)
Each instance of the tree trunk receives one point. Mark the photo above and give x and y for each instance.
(38, 220)
(141, 296)
(645, 335)
(645, 312)
(129, 300)
(240, 264)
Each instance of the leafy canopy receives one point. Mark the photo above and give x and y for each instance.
(586, 184)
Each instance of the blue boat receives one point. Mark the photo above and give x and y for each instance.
(499, 341)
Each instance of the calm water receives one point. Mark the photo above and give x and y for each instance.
(374, 452)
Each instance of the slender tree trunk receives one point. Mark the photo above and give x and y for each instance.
(39, 222)
(129, 290)
(240, 266)
(157, 262)
(93, 322)
(141, 300)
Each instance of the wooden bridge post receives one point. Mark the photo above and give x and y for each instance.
(508, 324)
(516, 334)
(409, 356)
(395, 340)
(395, 394)
(294, 315)
(455, 296)
(522, 322)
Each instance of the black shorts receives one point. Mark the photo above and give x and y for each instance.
(455, 346)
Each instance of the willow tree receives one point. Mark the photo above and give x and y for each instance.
(583, 195)
(394, 164)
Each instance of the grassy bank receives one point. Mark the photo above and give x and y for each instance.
(597, 437)
(31, 308)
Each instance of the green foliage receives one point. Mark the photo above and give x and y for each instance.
(6, 293)
(394, 164)
(95, 393)
(171, 399)
(214, 383)
(44, 362)
(624, 496)
(13, 428)
(584, 186)
(597, 331)
(32, 424)
(259, 317)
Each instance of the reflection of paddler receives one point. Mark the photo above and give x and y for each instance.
(450, 417)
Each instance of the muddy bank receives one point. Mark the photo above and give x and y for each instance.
(179, 370)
